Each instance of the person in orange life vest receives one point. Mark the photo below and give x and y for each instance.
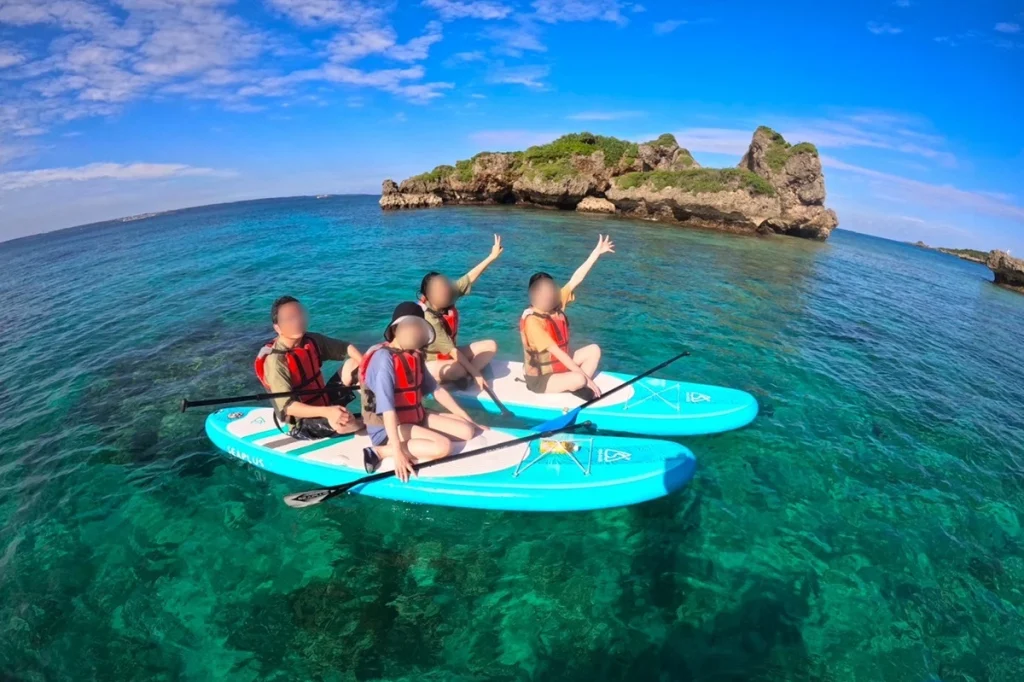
(549, 363)
(394, 380)
(446, 360)
(293, 362)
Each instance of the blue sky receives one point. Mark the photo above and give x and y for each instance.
(115, 108)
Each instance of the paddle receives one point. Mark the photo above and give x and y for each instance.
(564, 424)
(574, 413)
(505, 412)
(185, 403)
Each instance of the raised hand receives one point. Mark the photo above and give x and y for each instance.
(497, 249)
(604, 245)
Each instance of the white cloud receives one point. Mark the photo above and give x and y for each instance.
(9, 56)
(475, 9)
(465, 58)
(903, 3)
(513, 41)
(329, 12)
(883, 29)
(16, 180)
(477, 95)
(553, 11)
(939, 196)
(1006, 27)
(665, 27)
(604, 115)
(530, 76)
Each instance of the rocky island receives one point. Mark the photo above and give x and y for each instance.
(777, 188)
(1008, 271)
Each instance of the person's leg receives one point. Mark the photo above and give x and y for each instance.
(349, 373)
(481, 353)
(588, 358)
(423, 444)
(451, 426)
(564, 382)
(445, 370)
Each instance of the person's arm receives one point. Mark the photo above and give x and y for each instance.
(443, 397)
(467, 365)
(335, 349)
(279, 381)
(604, 245)
(445, 400)
(496, 250)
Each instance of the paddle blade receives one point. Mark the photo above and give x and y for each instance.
(309, 498)
(559, 423)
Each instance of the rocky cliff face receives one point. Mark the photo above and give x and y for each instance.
(777, 188)
(1009, 271)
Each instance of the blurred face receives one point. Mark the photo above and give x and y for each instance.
(439, 292)
(544, 295)
(291, 321)
(411, 335)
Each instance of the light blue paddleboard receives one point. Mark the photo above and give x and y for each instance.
(651, 406)
(602, 472)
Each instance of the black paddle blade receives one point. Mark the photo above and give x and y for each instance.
(312, 497)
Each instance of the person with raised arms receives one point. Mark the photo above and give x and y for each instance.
(394, 379)
(447, 361)
(550, 365)
(293, 362)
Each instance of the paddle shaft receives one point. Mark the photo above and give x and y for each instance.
(334, 492)
(500, 405)
(635, 379)
(185, 403)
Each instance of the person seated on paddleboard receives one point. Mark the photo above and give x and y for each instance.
(394, 379)
(549, 364)
(294, 362)
(446, 360)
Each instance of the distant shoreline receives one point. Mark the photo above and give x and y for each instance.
(155, 214)
(972, 255)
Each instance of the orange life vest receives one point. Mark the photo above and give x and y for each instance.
(409, 369)
(305, 369)
(541, 361)
(450, 321)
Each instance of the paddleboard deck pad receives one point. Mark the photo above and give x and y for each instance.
(578, 472)
(651, 406)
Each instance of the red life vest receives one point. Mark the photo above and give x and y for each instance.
(409, 369)
(557, 325)
(304, 369)
(450, 321)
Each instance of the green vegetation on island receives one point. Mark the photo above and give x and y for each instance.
(781, 151)
(699, 180)
(777, 187)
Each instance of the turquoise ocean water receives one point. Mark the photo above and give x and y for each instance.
(867, 526)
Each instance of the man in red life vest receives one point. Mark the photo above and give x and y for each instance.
(550, 365)
(394, 381)
(294, 362)
(447, 361)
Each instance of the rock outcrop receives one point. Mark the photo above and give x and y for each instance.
(595, 205)
(393, 197)
(1009, 271)
(777, 187)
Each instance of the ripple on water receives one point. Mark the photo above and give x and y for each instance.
(866, 527)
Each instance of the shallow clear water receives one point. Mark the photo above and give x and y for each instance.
(866, 527)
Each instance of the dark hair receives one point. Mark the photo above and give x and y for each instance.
(284, 300)
(425, 282)
(538, 276)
